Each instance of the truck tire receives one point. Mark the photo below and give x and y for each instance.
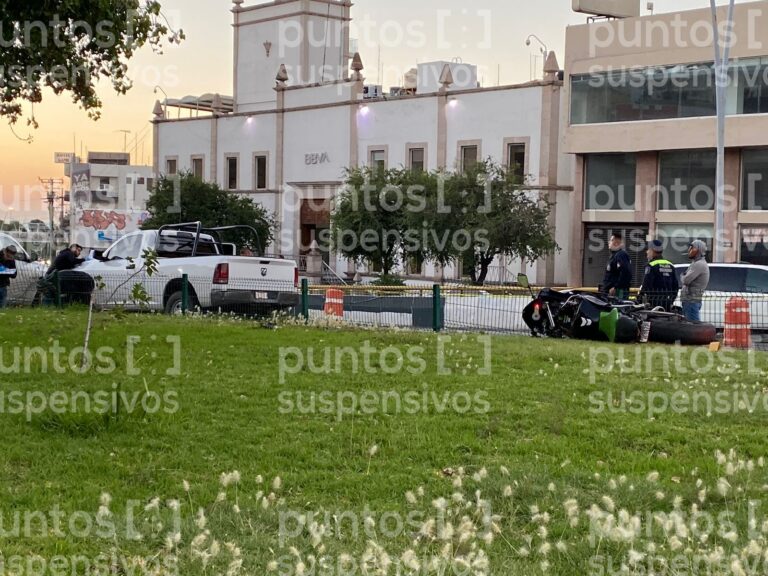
(674, 330)
(173, 304)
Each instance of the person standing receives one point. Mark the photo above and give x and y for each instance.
(7, 272)
(660, 283)
(695, 281)
(618, 272)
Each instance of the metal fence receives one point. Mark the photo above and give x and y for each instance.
(421, 307)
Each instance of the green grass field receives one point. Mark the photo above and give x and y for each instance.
(442, 465)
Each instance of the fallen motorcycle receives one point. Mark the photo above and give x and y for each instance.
(588, 316)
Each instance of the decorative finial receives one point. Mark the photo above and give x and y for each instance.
(446, 78)
(282, 76)
(158, 110)
(357, 67)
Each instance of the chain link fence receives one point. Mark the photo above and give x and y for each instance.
(495, 309)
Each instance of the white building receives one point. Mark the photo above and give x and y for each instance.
(302, 113)
(108, 199)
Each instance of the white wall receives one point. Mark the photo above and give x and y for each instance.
(242, 136)
(395, 123)
(185, 139)
(493, 116)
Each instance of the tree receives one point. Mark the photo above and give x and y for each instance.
(185, 198)
(486, 213)
(369, 223)
(68, 46)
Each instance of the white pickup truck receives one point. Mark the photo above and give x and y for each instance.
(218, 279)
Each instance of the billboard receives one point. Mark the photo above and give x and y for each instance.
(611, 8)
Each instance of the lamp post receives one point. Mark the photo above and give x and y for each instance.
(721, 78)
(544, 51)
(165, 102)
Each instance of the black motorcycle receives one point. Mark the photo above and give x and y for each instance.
(589, 316)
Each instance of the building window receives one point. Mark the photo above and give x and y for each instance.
(610, 181)
(260, 172)
(232, 173)
(129, 180)
(754, 183)
(197, 167)
(171, 166)
(687, 180)
(104, 183)
(378, 159)
(677, 237)
(754, 246)
(416, 159)
(469, 157)
(644, 94)
(516, 160)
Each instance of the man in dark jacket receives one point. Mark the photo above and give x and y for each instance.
(618, 272)
(68, 259)
(7, 271)
(660, 284)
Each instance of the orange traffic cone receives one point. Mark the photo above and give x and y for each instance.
(334, 302)
(738, 323)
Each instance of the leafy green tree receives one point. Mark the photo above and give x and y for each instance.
(486, 213)
(185, 198)
(370, 222)
(67, 46)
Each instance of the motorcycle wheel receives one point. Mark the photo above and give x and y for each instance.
(671, 330)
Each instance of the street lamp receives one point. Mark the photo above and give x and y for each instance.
(543, 48)
(721, 78)
(165, 102)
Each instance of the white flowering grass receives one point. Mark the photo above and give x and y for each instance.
(566, 484)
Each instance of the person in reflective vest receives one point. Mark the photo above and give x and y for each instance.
(660, 284)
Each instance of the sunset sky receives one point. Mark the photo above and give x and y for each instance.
(203, 63)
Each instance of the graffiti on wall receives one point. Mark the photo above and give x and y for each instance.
(103, 219)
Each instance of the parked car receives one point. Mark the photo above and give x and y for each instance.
(24, 287)
(748, 281)
(218, 280)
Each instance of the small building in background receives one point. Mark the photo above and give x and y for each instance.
(108, 198)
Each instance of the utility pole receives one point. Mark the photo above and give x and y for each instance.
(52, 186)
(721, 82)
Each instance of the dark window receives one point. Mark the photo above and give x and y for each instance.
(726, 279)
(103, 182)
(687, 180)
(754, 246)
(150, 183)
(260, 167)
(141, 181)
(129, 180)
(754, 185)
(232, 173)
(757, 281)
(469, 157)
(197, 168)
(378, 159)
(171, 167)
(610, 181)
(643, 94)
(516, 155)
(416, 159)
(753, 87)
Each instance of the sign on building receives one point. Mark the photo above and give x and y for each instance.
(81, 183)
(63, 157)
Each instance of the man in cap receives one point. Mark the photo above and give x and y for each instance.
(660, 283)
(7, 271)
(695, 281)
